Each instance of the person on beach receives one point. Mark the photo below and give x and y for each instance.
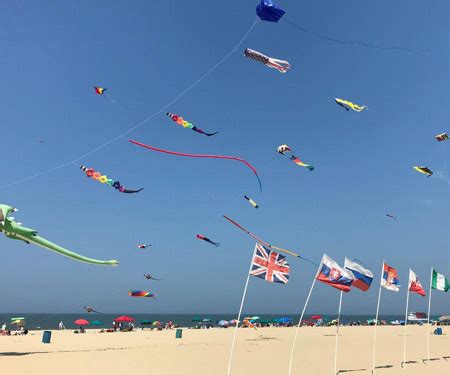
(61, 325)
(4, 327)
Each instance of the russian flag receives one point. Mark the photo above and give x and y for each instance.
(363, 276)
(332, 274)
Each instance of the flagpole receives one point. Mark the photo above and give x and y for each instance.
(376, 320)
(406, 323)
(337, 333)
(239, 316)
(301, 318)
(428, 317)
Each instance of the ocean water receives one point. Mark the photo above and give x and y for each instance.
(51, 320)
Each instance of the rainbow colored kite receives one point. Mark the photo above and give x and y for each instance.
(140, 293)
(185, 124)
(287, 151)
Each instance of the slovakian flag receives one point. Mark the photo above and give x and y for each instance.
(332, 274)
(414, 284)
(390, 280)
(362, 276)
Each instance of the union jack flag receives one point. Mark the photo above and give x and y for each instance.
(269, 265)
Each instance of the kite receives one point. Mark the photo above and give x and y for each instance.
(424, 170)
(185, 124)
(287, 151)
(251, 201)
(16, 231)
(203, 238)
(143, 246)
(90, 172)
(101, 91)
(149, 277)
(442, 137)
(200, 156)
(281, 65)
(347, 105)
(90, 309)
(267, 10)
(392, 216)
(140, 293)
(259, 240)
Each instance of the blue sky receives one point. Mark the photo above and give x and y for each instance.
(147, 53)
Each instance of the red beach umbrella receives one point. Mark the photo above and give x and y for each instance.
(124, 318)
(316, 317)
(81, 322)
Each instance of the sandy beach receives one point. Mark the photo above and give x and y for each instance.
(262, 351)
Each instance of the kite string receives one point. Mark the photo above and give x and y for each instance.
(351, 42)
(146, 120)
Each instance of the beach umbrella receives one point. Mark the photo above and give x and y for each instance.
(233, 322)
(316, 317)
(81, 322)
(96, 323)
(146, 322)
(157, 323)
(197, 320)
(124, 318)
(284, 320)
(253, 318)
(222, 323)
(17, 318)
(207, 320)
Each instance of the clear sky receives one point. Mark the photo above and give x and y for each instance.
(147, 53)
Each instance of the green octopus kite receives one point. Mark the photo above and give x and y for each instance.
(16, 231)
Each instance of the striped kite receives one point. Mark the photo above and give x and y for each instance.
(349, 105)
(281, 65)
(206, 239)
(251, 201)
(423, 170)
(140, 293)
(287, 151)
(185, 124)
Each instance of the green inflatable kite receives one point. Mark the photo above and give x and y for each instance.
(16, 231)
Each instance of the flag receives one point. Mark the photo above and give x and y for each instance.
(362, 276)
(439, 282)
(269, 265)
(332, 274)
(414, 284)
(390, 279)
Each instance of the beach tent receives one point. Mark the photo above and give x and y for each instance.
(124, 318)
(81, 322)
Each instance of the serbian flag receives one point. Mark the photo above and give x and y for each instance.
(332, 274)
(390, 279)
(362, 276)
(414, 284)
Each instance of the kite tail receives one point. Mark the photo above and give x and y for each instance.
(281, 65)
(210, 134)
(127, 191)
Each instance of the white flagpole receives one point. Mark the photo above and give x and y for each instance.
(376, 321)
(337, 333)
(406, 323)
(301, 318)
(428, 317)
(239, 315)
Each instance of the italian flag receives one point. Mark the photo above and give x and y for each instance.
(439, 282)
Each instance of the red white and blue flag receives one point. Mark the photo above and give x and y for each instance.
(390, 280)
(362, 276)
(269, 265)
(332, 274)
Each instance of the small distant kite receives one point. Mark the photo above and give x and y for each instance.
(39, 140)
(349, 105)
(287, 151)
(281, 65)
(251, 201)
(141, 293)
(90, 309)
(204, 238)
(90, 172)
(199, 156)
(392, 216)
(442, 137)
(267, 10)
(143, 246)
(424, 170)
(101, 91)
(185, 124)
(149, 277)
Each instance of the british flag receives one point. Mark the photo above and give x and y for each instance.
(269, 265)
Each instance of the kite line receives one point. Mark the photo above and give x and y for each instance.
(360, 44)
(146, 120)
